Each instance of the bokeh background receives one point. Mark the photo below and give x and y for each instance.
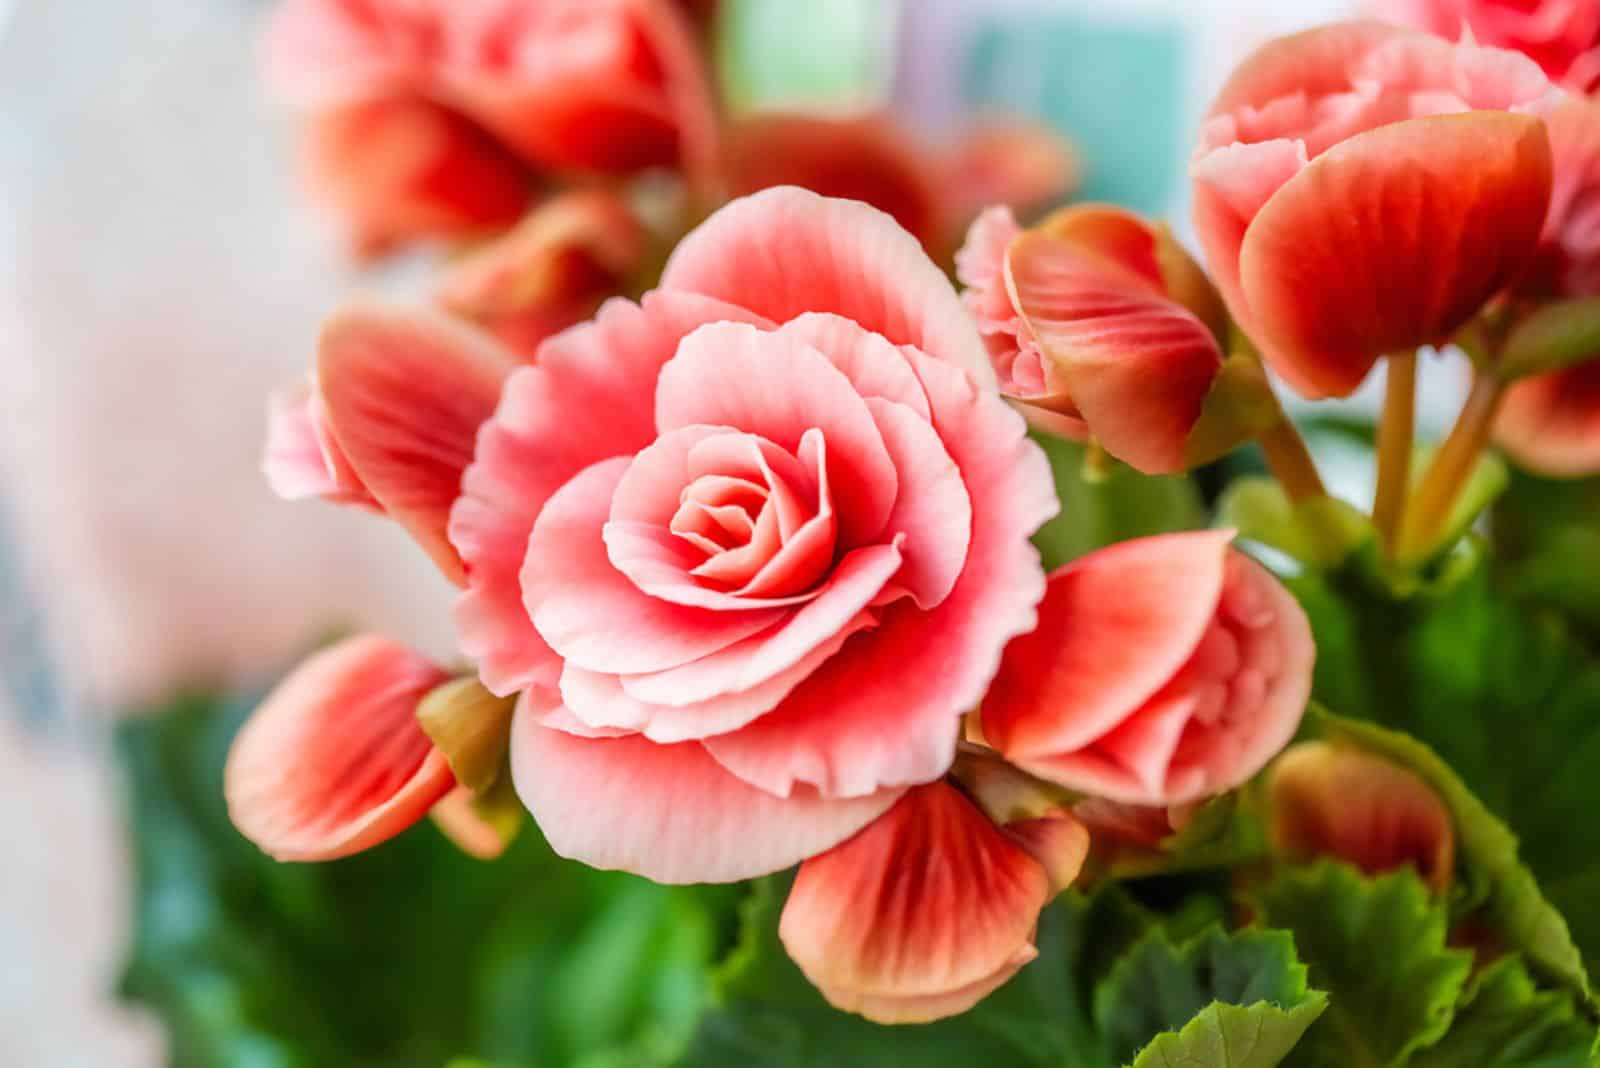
(160, 272)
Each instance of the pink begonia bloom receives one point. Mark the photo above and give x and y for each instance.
(1101, 319)
(929, 909)
(334, 762)
(1330, 800)
(436, 118)
(1334, 166)
(1551, 423)
(1163, 670)
(750, 547)
(1562, 36)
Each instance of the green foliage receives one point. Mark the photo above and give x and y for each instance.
(1377, 946)
(1218, 999)
(1506, 1021)
(407, 955)
(1110, 505)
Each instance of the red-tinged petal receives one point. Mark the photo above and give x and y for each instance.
(853, 727)
(460, 822)
(591, 396)
(920, 915)
(932, 516)
(590, 613)
(669, 812)
(1114, 627)
(1570, 257)
(865, 158)
(406, 169)
(1551, 423)
(405, 392)
(334, 762)
(784, 252)
(1391, 240)
(774, 385)
(1316, 62)
(1019, 365)
(1110, 232)
(319, 52)
(874, 366)
(549, 273)
(1138, 364)
(1327, 800)
(1058, 842)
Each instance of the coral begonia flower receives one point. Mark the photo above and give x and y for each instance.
(334, 762)
(1361, 189)
(1098, 317)
(927, 910)
(1328, 800)
(749, 548)
(436, 118)
(549, 273)
(1163, 670)
(932, 191)
(1551, 423)
(1562, 36)
(390, 418)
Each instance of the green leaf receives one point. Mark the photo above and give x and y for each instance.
(1506, 1021)
(1242, 996)
(1493, 879)
(1321, 531)
(1555, 336)
(411, 953)
(1377, 946)
(1123, 504)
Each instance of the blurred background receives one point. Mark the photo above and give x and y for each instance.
(160, 272)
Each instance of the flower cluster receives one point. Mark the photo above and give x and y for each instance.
(744, 557)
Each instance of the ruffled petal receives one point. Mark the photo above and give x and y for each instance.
(1114, 627)
(784, 252)
(590, 397)
(854, 726)
(334, 762)
(1316, 62)
(405, 391)
(920, 915)
(669, 812)
(1391, 240)
(1139, 364)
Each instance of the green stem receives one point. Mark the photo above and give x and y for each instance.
(1452, 465)
(1395, 433)
(1291, 461)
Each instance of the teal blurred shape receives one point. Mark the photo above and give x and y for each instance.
(1114, 84)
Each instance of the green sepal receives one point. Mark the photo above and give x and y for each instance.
(471, 727)
(1552, 338)
(1238, 407)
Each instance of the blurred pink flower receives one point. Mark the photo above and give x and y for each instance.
(1562, 36)
(1163, 670)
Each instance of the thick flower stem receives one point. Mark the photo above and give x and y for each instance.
(1291, 461)
(1395, 433)
(1452, 465)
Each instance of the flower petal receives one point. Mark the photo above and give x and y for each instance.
(932, 512)
(784, 252)
(590, 613)
(1551, 423)
(1114, 627)
(1138, 364)
(853, 726)
(405, 393)
(548, 427)
(1392, 239)
(333, 762)
(669, 812)
(1315, 62)
(920, 915)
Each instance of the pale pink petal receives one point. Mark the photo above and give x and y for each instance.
(784, 252)
(874, 366)
(405, 391)
(1551, 423)
(774, 385)
(297, 461)
(669, 812)
(854, 726)
(590, 397)
(590, 613)
(933, 511)
(334, 762)
(1316, 62)
(320, 52)
(918, 916)
(1114, 627)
